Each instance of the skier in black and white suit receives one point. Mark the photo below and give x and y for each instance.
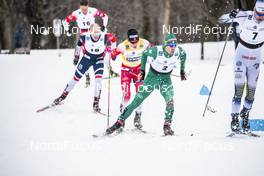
(247, 61)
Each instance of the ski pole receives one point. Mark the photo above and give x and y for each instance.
(109, 88)
(218, 66)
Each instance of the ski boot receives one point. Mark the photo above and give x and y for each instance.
(137, 121)
(167, 128)
(244, 114)
(60, 98)
(87, 81)
(96, 104)
(235, 122)
(116, 127)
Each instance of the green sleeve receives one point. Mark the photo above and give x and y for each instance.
(150, 52)
(182, 58)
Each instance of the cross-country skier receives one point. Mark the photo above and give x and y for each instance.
(84, 17)
(163, 60)
(95, 44)
(131, 51)
(247, 62)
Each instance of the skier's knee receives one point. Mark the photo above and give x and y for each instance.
(126, 96)
(169, 110)
(239, 89)
(170, 104)
(77, 76)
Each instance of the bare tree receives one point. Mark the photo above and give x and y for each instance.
(8, 14)
(148, 16)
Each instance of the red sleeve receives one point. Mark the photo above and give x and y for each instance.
(111, 38)
(71, 18)
(115, 53)
(100, 13)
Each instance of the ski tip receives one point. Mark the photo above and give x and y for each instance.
(95, 136)
(100, 135)
(101, 113)
(42, 109)
(250, 134)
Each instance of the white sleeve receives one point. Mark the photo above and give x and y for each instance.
(224, 19)
(240, 18)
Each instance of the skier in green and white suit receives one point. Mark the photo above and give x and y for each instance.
(163, 60)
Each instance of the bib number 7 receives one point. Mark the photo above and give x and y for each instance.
(255, 35)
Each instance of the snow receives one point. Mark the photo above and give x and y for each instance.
(59, 142)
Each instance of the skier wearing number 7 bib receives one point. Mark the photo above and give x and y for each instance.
(247, 61)
(163, 60)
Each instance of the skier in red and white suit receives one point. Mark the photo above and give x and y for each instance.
(131, 51)
(84, 17)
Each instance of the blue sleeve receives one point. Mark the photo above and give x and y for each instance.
(81, 40)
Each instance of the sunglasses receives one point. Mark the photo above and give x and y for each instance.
(133, 39)
(173, 45)
(259, 12)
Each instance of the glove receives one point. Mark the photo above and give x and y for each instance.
(114, 54)
(75, 60)
(103, 28)
(233, 14)
(141, 75)
(183, 75)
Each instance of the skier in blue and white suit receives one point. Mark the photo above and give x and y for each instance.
(247, 61)
(96, 44)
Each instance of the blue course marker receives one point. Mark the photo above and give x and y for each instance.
(204, 90)
(256, 124)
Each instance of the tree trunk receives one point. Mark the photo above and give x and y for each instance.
(245, 4)
(146, 21)
(203, 40)
(167, 14)
(12, 34)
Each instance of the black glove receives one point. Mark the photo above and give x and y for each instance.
(233, 14)
(141, 75)
(183, 75)
(75, 60)
(102, 28)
